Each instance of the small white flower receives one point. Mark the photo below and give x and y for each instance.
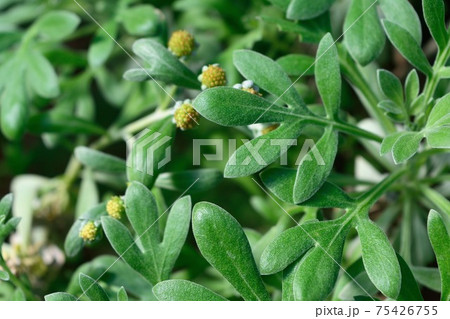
(204, 87)
(204, 68)
(237, 86)
(247, 84)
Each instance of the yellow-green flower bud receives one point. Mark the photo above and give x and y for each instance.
(181, 43)
(185, 116)
(212, 76)
(89, 231)
(115, 207)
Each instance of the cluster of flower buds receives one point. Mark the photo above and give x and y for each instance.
(248, 86)
(212, 75)
(181, 43)
(115, 207)
(89, 231)
(185, 116)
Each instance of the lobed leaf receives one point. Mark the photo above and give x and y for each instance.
(41, 75)
(57, 25)
(406, 146)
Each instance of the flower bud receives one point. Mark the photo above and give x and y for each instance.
(89, 231)
(115, 207)
(212, 76)
(181, 43)
(185, 116)
(248, 86)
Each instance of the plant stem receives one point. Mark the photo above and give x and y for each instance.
(16, 281)
(344, 127)
(432, 83)
(350, 70)
(368, 199)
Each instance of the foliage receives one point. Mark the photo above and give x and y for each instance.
(362, 213)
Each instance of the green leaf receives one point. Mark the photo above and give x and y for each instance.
(412, 87)
(408, 47)
(14, 110)
(428, 277)
(280, 181)
(440, 240)
(60, 296)
(289, 246)
(297, 64)
(269, 76)
(390, 107)
(124, 245)
(434, 14)
(4, 276)
(305, 10)
(380, 260)
(363, 34)
(315, 166)
(288, 281)
(88, 193)
(148, 152)
(328, 75)
(207, 179)
(57, 25)
(440, 114)
(41, 76)
(99, 161)
(122, 294)
(389, 141)
(319, 268)
(402, 13)
(177, 228)
(406, 146)
(438, 137)
(102, 45)
(224, 245)
(183, 290)
(164, 66)
(5, 205)
(409, 290)
(260, 152)
(92, 289)
(142, 212)
(232, 107)
(391, 86)
(142, 20)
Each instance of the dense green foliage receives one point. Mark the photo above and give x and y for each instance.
(362, 213)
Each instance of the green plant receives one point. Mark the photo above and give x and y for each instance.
(326, 229)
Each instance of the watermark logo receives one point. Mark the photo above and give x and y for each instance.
(145, 151)
(149, 151)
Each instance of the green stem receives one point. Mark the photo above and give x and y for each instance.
(432, 83)
(16, 281)
(368, 199)
(350, 70)
(406, 227)
(344, 127)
